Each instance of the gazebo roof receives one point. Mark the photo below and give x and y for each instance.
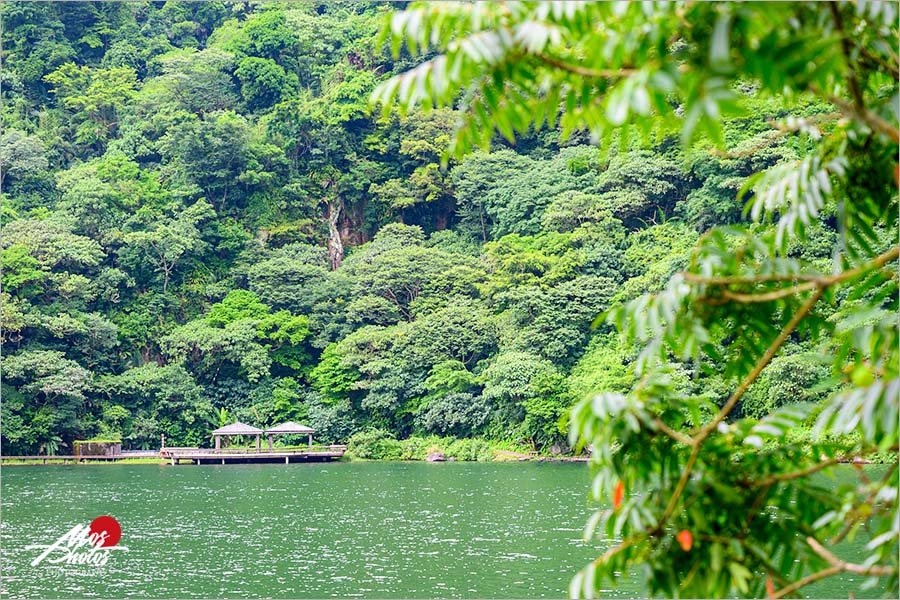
(290, 427)
(237, 428)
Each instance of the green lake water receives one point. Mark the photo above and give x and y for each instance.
(373, 530)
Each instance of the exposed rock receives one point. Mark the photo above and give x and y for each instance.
(558, 449)
(83, 448)
(436, 457)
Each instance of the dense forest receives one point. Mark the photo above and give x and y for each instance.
(204, 221)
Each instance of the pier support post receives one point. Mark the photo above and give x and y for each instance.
(173, 461)
(286, 459)
(223, 461)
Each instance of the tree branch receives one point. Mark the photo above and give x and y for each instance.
(837, 566)
(805, 581)
(818, 467)
(852, 80)
(584, 71)
(771, 569)
(878, 262)
(675, 435)
(778, 131)
(798, 474)
(858, 107)
(834, 561)
(740, 279)
(877, 60)
(869, 500)
(769, 296)
(760, 498)
(626, 543)
(761, 364)
(865, 115)
(735, 397)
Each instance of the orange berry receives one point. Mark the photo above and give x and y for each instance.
(618, 494)
(686, 540)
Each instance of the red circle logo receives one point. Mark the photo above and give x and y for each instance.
(108, 525)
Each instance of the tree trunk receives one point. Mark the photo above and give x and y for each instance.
(335, 245)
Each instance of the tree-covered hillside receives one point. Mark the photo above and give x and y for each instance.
(203, 221)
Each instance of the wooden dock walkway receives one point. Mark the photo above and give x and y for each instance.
(199, 456)
(76, 458)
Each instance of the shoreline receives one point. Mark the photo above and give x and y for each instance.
(8, 462)
(12, 462)
(505, 458)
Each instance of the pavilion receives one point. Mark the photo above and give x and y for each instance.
(289, 427)
(238, 428)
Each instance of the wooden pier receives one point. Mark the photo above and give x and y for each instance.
(223, 456)
(220, 455)
(77, 458)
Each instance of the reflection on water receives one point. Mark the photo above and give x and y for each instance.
(373, 530)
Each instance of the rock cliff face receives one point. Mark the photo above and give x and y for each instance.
(97, 448)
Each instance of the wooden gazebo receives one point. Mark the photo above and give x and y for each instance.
(237, 428)
(290, 427)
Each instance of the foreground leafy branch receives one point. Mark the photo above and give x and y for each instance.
(707, 429)
(706, 500)
(837, 566)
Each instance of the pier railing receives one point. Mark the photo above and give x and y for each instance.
(76, 458)
(252, 450)
(181, 452)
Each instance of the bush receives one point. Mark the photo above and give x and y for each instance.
(795, 378)
(375, 444)
(470, 449)
(418, 448)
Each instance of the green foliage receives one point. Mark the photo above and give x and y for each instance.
(374, 444)
(167, 242)
(96, 96)
(147, 401)
(237, 305)
(795, 378)
(21, 155)
(240, 332)
(470, 449)
(263, 82)
(21, 271)
(268, 35)
(51, 393)
(525, 388)
(202, 221)
(52, 243)
(287, 277)
(380, 445)
(605, 367)
(716, 505)
(200, 81)
(454, 413)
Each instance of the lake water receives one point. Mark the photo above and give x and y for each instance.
(374, 530)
